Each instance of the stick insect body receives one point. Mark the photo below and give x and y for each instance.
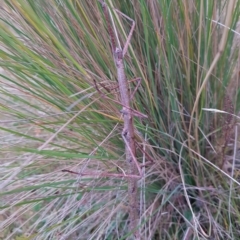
(134, 172)
(128, 129)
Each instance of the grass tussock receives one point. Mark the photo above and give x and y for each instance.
(54, 118)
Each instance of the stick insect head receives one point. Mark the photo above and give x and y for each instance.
(118, 55)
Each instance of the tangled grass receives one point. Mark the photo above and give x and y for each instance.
(53, 119)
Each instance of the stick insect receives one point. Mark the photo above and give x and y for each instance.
(134, 172)
(128, 129)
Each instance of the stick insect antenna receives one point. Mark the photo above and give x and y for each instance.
(110, 29)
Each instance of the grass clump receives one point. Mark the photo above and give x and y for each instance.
(53, 118)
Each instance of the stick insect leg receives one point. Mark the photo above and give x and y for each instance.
(103, 174)
(133, 157)
(113, 88)
(125, 48)
(99, 91)
(136, 88)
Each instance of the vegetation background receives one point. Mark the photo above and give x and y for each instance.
(53, 119)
